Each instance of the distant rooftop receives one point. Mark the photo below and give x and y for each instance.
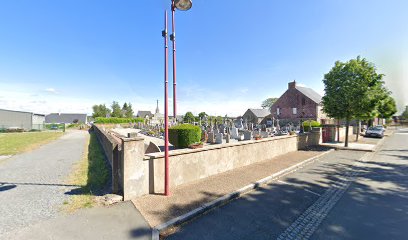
(260, 113)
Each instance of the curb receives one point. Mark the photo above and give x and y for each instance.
(226, 198)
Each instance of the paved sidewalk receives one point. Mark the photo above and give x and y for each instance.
(351, 146)
(32, 184)
(120, 221)
(158, 209)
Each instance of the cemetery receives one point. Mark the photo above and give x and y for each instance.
(136, 152)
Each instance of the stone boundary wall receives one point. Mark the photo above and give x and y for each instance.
(343, 133)
(136, 174)
(187, 165)
(306, 140)
(112, 147)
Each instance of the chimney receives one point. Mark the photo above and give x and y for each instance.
(292, 84)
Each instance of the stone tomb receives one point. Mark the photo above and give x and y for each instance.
(219, 137)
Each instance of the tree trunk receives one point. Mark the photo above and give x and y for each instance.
(338, 130)
(347, 132)
(358, 129)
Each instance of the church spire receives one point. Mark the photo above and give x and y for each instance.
(157, 107)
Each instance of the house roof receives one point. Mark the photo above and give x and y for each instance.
(143, 114)
(260, 113)
(38, 114)
(310, 93)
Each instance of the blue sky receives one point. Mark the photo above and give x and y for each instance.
(68, 55)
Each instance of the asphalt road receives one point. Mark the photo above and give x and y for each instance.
(32, 184)
(343, 195)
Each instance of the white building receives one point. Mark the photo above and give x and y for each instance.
(20, 119)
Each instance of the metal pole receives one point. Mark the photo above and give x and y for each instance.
(173, 39)
(166, 114)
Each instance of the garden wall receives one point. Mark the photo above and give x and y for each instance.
(139, 174)
(112, 147)
(187, 165)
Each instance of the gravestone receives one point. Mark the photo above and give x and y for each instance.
(219, 137)
(234, 133)
(211, 137)
(247, 135)
(204, 136)
(264, 134)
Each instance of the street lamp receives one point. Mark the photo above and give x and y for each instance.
(182, 5)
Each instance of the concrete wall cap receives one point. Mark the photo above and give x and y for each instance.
(213, 147)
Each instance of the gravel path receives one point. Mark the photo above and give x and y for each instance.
(32, 186)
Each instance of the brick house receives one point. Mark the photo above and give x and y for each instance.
(298, 103)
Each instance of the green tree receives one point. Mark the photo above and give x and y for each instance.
(404, 114)
(127, 110)
(351, 89)
(202, 115)
(267, 103)
(100, 111)
(116, 110)
(189, 117)
(387, 107)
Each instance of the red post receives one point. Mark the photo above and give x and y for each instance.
(166, 113)
(173, 39)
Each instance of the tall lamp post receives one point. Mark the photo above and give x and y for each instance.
(183, 5)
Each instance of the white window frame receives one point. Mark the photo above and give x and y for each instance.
(294, 111)
(278, 111)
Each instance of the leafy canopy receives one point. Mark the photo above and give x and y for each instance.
(189, 117)
(267, 103)
(352, 90)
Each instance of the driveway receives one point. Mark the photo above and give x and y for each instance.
(32, 184)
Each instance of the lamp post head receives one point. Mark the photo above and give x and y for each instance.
(183, 5)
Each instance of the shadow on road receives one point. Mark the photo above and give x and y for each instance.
(274, 207)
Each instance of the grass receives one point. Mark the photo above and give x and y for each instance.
(13, 143)
(91, 173)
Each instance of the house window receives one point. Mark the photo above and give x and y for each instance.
(277, 111)
(294, 110)
(303, 101)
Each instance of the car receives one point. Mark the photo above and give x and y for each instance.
(380, 126)
(375, 132)
(54, 127)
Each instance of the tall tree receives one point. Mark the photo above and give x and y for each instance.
(404, 114)
(350, 90)
(267, 103)
(202, 115)
(116, 110)
(387, 107)
(100, 111)
(129, 111)
(189, 117)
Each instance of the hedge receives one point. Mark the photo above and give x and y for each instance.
(183, 135)
(118, 120)
(312, 123)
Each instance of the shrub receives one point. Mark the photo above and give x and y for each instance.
(183, 135)
(118, 120)
(312, 123)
